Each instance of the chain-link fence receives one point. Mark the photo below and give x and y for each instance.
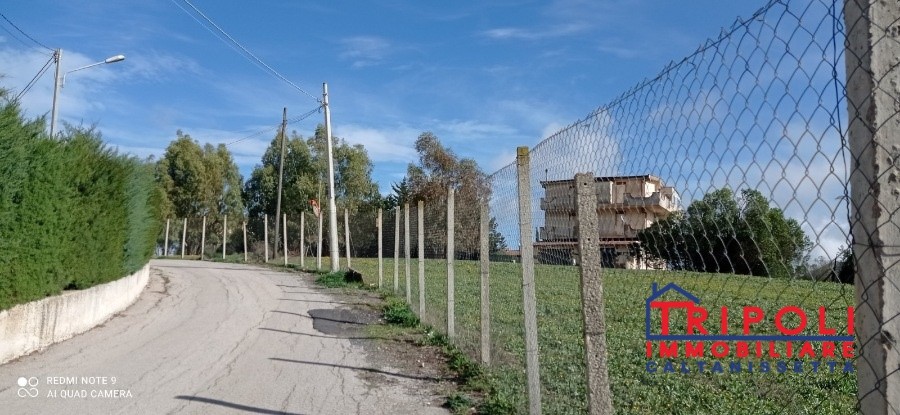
(707, 262)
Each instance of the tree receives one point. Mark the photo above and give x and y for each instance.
(721, 233)
(496, 241)
(199, 182)
(305, 178)
(399, 196)
(438, 170)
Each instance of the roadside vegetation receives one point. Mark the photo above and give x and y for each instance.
(500, 388)
(73, 212)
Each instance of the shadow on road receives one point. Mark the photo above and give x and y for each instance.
(169, 265)
(322, 336)
(362, 323)
(233, 405)
(363, 369)
(323, 302)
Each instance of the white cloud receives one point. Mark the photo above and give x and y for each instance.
(502, 159)
(365, 50)
(472, 129)
(156, 66)
(516, 33)
(383, 145)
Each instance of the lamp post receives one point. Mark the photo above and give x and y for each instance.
(59, 81)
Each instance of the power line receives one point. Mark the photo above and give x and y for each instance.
(256, 134)
(23, 33)
(266, 130)
(13, 35)
(36, 77)
(232, 42)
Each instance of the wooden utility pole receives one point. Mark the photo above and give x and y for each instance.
(280, 179)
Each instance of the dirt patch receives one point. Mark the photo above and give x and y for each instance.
(396, 357)
(343, 322)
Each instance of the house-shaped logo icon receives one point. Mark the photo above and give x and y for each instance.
(665, 307)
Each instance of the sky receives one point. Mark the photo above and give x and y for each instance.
(485, 77)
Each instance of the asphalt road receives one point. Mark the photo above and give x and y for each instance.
(208, 338)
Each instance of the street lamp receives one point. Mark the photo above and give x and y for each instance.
(60, 81)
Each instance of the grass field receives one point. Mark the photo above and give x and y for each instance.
(635, 391)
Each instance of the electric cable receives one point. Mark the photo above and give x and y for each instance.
(23, 33)
(232, 42)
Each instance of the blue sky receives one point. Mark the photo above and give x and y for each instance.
(484, 76)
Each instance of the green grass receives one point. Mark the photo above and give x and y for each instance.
(634, 390)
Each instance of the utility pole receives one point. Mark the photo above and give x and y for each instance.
(57, 55)
(332, 208)
(280, 178)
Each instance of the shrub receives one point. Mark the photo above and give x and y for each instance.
(73, 213)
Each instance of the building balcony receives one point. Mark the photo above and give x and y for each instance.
(557, 204)
(654, 203)
(572, 235)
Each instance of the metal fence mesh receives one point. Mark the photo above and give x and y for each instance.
(728, 174)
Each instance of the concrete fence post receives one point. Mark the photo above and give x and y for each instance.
(380, 257)
(284, 237)
(302, 240)
(485, 259)
(396, 249)
(319, 244)
(451, 256)
(592, 313)
(166, 243)
(873, 94)
(406, 250)
(532, 360)
(420, 227)
(224, 236)
(347, 236)
(203, 239)
(183, 237)
(244, 226)
(266, 236)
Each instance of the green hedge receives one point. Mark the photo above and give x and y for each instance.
(73, 213)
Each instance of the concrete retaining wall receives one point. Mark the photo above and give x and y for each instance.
(31, 327)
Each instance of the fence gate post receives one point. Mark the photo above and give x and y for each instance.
(396, 249)
(873, 93)
(592, 313)
(406, 250)
(183, 237)
(302, 240)
(347, 235)
(380, 257)
(421, 236)
(244, 226)
(203, 239)
(266, 235)
(224, 235)
(319, 244)
(166, 244)
(451, 254)
(485, 257)
(284, 237)
(526, 249)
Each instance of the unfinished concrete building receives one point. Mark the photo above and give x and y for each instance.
(625, 205)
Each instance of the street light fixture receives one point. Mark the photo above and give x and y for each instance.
(60, 81)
